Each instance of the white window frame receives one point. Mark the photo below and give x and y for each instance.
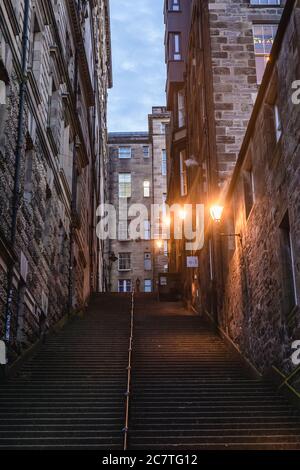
(264, 54)
(147, 261)
(164, 163)
(183, 174)
(265, 2)
(147, 230)
(147, 188)
(125, 152)
(181, 108)
(146, 151)
(125, 283)
(123, 230)
(125, 186)
(174, 5)
(127, 258)
(148, 285)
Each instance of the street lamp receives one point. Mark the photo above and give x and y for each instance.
(166, 221)
(216, 212)
(182, 214)
(159, 244)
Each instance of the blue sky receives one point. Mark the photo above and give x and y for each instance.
(139, 71)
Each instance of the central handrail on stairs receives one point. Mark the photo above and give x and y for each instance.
(128, 391)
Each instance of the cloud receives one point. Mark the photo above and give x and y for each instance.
(138, 63)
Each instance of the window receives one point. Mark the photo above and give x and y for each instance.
(28, 176)
(164, 163)
(124, 185)
(277, 120)
(124, 261)
(249, 189)
(148, 285)
(265, 2)
(124, 152)
(166, 248)
(175, 46)
(125, 285)
(146, 188)
(181, 109)
(35, 50)
(263, 36)
(163, 127)
(123, 230)
(146, 153)
(147, 230)
(174, 5)
(147, 262)
(3, 111)
(183, 175)
(54, 108)
(288, 268)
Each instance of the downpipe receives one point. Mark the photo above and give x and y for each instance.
(18, 161)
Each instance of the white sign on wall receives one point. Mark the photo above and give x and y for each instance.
(3, 360)
(192, 262)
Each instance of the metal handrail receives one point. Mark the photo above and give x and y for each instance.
(286, 380)
(127, 394)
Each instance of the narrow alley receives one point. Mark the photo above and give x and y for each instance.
(189, 391)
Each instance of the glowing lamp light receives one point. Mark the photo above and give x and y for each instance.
(159, 244)
(182, 214)
(216, 212)
(167, 221)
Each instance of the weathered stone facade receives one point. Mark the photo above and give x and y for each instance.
(249, 287)
(264, 319)
(145, 165)
(233, 66)
(50, 258)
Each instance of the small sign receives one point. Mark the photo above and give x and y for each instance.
(163, 281)
(3, 360)
(192, 262)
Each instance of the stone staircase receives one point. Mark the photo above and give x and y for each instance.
(71, 395)
(188, 390)
(191, 392)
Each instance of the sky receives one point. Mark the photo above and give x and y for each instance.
(139, 71)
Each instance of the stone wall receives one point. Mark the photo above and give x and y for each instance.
(234, 72)
(263, 319)
(55, 134)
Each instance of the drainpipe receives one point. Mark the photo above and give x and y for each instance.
(18, 161)
(74, 196)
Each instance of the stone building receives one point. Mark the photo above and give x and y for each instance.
(242, 283)
(261, 266)
(55, 68)
(212, 84)
(138, 169)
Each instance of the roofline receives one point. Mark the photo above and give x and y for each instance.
(123, 137)
(108, 43)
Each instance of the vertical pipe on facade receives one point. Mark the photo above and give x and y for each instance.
(153, 202)
(74, 195)
(74, 186)
(18, 161)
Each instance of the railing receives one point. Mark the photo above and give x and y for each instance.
(128, 391)
(287, 379)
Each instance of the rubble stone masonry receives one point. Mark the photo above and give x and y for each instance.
(62, 168)
(261, 310)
